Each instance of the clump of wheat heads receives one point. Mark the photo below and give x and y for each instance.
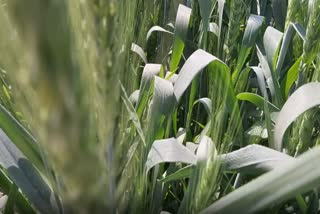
(237, 12)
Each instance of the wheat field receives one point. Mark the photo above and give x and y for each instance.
(140, 106)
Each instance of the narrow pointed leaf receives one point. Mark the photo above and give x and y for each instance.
(182, 173)
(291, 76)
(251, 32)
(180, 34)
(221, 4)
(157, 29)
(260, 77)
(138, 50)
(271, 41)
(133, 115)
(287, 38)
(207, 104)
(257, 100)
(149, 71)
(161, 106)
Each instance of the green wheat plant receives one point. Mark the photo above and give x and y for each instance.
(194, 106)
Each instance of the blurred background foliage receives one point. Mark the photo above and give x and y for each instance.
(61, 62)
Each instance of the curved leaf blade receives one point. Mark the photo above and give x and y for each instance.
(26, 176)
(182, 173)
(180, 34)
(157, 29)
(138, 50)
(134, 97)
(193, 66)
(161, 106)
(254, 159)
(207, 104)
(170, 151)
(149, 71)
(304, 98)
(251, 32)
(272, 188)
(271, 41)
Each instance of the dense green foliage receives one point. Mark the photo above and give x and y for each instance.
(196, 106)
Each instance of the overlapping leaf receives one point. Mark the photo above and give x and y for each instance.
(304, 98)
(251, 32)
(26, 176)
(180, 34)
(149, 71)
(272, 188)
(138, 50)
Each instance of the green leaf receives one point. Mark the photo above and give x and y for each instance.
(182, 173)
(22, 205)
(287, 38)
(304, 98)
(149, 71)
(257, 100)
(157, 29)
(258, 130)
(260, 77)
(133, 115)
(214, 28)
(161, 106)
(207, 104)
(172, 77)
(271, 41)
(134, 97)
(251, 32)
(138, 50)
(254, 159)
(205, 10)
(291, 76)
(272, 188)
(11, 200)
(270, 76)
(265, 67)
(26, 176)
(205, 149)
(168, 151)
(192, 146)
(180, 34)
(221, 4)
(194, 65)
(21, 137)
(267, 118)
